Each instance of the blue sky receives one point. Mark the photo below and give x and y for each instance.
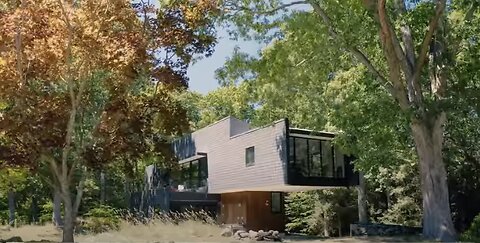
(202, 73)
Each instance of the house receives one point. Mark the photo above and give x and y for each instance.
(243, 172)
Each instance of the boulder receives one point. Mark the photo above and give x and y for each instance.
(244, 235)
(227, 232)
(12, 239)
(252, 234)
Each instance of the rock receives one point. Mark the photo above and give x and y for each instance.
(252, 234)
(12, 239)
(260, 231)
(5, 228)
(244, 235)
(227, 232)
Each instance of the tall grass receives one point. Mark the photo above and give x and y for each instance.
(188, 226)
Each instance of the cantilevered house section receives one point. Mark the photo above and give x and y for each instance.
(229, 156)
(249, 169)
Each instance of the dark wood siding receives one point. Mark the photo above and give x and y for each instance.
(253, 210)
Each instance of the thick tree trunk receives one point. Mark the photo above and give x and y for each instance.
(57, 204)
(437, 221)
(11, 207)
(362, 200)
(69, 223)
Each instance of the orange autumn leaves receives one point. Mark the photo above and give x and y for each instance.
(35, 36)
(48, 45)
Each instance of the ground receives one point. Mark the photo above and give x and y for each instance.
(185, 232)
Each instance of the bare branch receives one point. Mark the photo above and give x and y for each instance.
(422, 55)
(406, 35)
(18, 49)
(238, 8)
(283, 6)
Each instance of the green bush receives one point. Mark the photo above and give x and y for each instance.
(473, 232)
(100, 219)
(322, 212)
(46, 211)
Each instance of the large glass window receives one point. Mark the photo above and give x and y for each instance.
(193, 176)
(339, 164)
(315, 157)
(301, 156)
(311, 157)
(203, 173)
(327, 159)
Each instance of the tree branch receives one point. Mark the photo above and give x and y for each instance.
(395, 55)
(359, 55)
(270, 11)
(392, 39)
(406, 34)
(283, 6)
(422, 55)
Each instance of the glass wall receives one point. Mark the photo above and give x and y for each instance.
(193, 176)
(311, 157)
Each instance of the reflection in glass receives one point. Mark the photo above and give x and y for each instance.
(315, 157)
(339, 164)
(301, 153)
(327, 159)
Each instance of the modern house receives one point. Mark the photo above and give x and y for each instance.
(243, 172)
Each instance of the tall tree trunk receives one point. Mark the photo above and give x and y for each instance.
(362, 200)
(69, 223)
(11, 207)
(428, 136)
(57, 204)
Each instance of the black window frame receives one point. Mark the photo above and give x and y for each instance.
(247, 150)
(293, 163)
(188, 174)
(280, 208)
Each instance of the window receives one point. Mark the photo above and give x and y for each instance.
(327, 159)
(276, 202)
(301, 156)
(311, 157)
(193, 176)
(315, 157)
(250, 156)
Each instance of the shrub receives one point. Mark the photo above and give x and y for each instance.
(473, 232)
(46, 212)
(100, 219)
(322, 212)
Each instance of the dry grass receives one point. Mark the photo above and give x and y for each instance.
(32, 232)
(189, 231)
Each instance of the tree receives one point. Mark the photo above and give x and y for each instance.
(11, 181)
(411, 61)
(76, 81)
(225, 101)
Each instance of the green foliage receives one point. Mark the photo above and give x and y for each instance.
(46, 211)
(101, 219)
(473, 233)
(323, 212)
(298, 208)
